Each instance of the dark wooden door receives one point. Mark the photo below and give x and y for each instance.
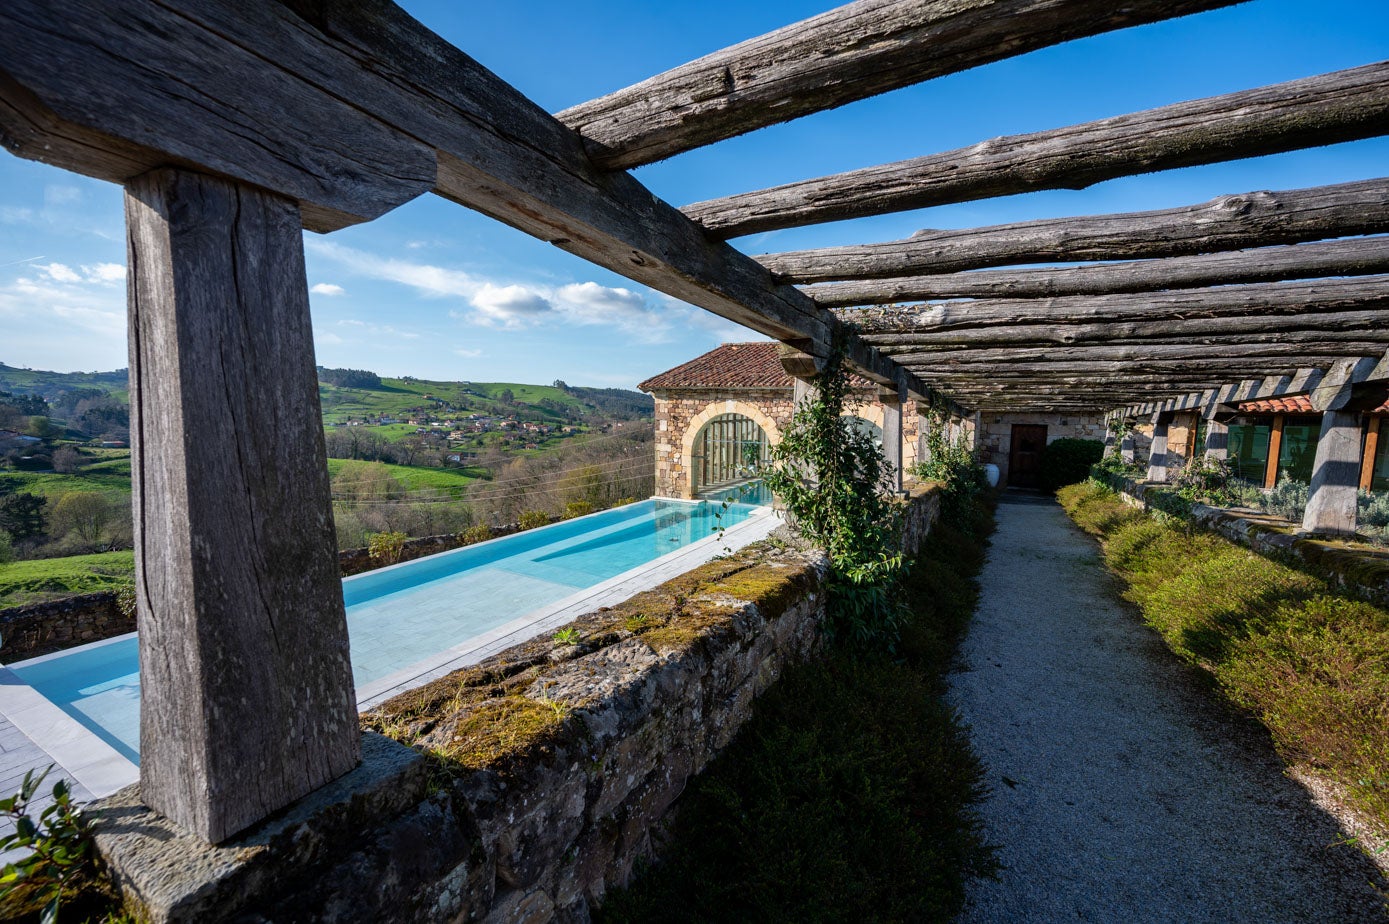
(1024, 453)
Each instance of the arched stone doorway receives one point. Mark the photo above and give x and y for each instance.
(722, 441)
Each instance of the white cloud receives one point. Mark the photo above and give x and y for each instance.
(104, 272)
(509, 306)
(645, 318)
(328, 338)
(327, 288)
(467, 354)
(60, 272)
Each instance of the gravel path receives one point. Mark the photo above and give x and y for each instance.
(1122, 790)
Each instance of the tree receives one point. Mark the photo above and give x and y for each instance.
(85, 513)
(42, 427)
(22, 515)
(67, 460)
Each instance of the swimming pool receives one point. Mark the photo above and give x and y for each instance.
(401, 616)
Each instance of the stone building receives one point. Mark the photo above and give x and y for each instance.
(720, 412)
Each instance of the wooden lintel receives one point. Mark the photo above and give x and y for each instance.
(1253, 219)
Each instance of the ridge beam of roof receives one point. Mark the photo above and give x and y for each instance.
(846, 54)
(1261, 301)
(1233, 222)
(1314, 111)
(1321, 259)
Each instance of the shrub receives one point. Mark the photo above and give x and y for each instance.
(480, 532)
(1288, 499)
(830, 476)
(6, 548)
(1206, 479)
(577, 509)
(386, 547)
(530, 519)
(951, 464)
(55, 853)
(1067, 461)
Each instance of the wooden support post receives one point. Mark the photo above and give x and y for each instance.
(1157, 455)
(892, 437)
(1217, 439)
(247, 699)
(1126, 448)
(1275, 449)
(1331, 502)
(924, 421)
(1367, 463)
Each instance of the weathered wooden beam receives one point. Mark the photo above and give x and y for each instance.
(1259, 306)
(1254, 219)
(351, 107)
(113, 89)
(846, 54)
(1353, 257)
(1171, 356)
(1343, 106)
(246, 694)
(1307, 329)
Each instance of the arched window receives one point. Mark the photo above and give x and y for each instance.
(867, 427)
(726, 449)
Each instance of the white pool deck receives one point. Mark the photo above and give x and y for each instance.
(35, 733)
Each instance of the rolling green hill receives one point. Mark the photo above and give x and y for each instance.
(50, 384)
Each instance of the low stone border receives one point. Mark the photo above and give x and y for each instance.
(42, 628)
(1360, 571)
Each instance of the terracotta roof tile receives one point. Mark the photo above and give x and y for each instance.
(733, 365)
(1294, 404)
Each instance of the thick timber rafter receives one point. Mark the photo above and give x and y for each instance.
(1314, 111)
(1351, 257)
(846, 54)
(1253, 219)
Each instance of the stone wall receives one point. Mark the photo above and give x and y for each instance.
(680, 414)
(538, 778)
(994, 438)
(1180, 433)
(42, 628)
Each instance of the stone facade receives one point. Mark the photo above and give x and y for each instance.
(682, 413)
(994, 436)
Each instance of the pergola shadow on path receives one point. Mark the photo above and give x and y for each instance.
(233, 126)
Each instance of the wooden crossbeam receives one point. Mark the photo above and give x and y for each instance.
(1351, 257)
(846, 54)
(1117, 358)
(1265, 302)
(1308, 330)
(1329, 108)
(351, 111)
(1253, 219)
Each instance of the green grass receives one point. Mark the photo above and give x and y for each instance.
(52, 485)
(1311, 664)
(52, 578)
(399, 397)
(849, 794)
(416, 478)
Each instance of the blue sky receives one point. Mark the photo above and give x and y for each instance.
(437, 291)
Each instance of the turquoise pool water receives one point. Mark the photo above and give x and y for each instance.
(399, 616)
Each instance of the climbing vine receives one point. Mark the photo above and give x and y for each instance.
(830, 477)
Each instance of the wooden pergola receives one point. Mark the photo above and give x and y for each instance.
(232, 126)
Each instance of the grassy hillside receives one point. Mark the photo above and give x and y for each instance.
(48, 384)
(115, 484)
(52, 578)
(416, 478)
(406, 397)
